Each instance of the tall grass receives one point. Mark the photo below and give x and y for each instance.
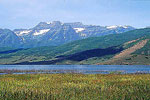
(74, 87)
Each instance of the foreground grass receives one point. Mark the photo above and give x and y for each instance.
(74, 87)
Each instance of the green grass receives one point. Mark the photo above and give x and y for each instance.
(74, 87)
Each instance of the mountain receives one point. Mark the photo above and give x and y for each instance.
(86, 31)
(95, 31)
(57, 33)
(44, 34)
(9, 39)
(127, 48)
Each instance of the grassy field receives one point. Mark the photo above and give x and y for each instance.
(75, 87)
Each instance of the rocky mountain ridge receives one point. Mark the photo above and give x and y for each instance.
(57, 33)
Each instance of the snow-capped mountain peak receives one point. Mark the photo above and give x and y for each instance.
(56, 32)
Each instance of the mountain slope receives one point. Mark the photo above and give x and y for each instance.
(137, 54)
(95, 50)
(132, 49)
(9, 39)
(103, 42)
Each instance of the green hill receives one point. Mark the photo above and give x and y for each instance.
(87, 49)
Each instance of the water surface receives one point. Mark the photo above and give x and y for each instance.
(85, 69)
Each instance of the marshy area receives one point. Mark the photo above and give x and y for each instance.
(15, 71)
(69, 86)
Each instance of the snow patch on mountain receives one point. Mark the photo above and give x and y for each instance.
(112, 27)
(48, 22)
(125, 26)
(41, 32)
(25, 32)
(79, 29)
(116, 26)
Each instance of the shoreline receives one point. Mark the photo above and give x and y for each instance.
(15, 71)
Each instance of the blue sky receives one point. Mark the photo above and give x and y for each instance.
(28, 13)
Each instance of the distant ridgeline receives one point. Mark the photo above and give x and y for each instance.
(55, 33)
(64, 43)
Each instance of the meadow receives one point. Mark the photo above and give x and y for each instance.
(75, 87)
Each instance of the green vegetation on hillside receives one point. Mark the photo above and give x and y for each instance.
(145, 50)
(3, 49)
(78, 47)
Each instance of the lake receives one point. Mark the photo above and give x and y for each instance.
(85, 69)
